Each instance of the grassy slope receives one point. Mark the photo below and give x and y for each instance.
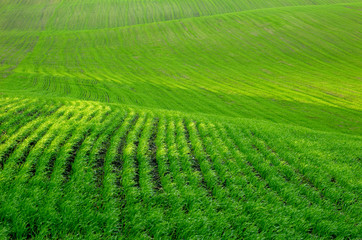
(251, 65)
(80, 169)
(179, 148)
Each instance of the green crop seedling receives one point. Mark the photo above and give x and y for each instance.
(180, 119)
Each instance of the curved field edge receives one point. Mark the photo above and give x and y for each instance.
(92, 14)
(279, 64)
(177, 159)
(81, 169)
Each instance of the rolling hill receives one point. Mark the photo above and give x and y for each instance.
(130, 119)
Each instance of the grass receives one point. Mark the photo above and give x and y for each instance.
(180, 119)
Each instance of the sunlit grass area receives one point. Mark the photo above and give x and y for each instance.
(128, 119)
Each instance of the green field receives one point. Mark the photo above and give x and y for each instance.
(180, 119)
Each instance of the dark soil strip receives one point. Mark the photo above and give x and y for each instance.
(152, 154)
(136, 143)
(28, 117)
(53, 157)
(10, 150)
(101, 155)
(92, 115)
(75, 149)
(99, 163)
(195, 164)
(32, 143)
(204, 149)
(194, 161)
(117, 163)
(6, 105)
(105, 116)
(33, 165)
(17, 121)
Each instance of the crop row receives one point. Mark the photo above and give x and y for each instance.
(101, 171)
(249, 67)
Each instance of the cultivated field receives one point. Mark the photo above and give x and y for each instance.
(183, 119)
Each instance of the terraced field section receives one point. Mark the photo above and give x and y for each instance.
(170, 119)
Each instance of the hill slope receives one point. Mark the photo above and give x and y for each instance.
(88, 170)
(279, 64)
(180, 119)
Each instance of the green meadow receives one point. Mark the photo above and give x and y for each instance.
(180, 119)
